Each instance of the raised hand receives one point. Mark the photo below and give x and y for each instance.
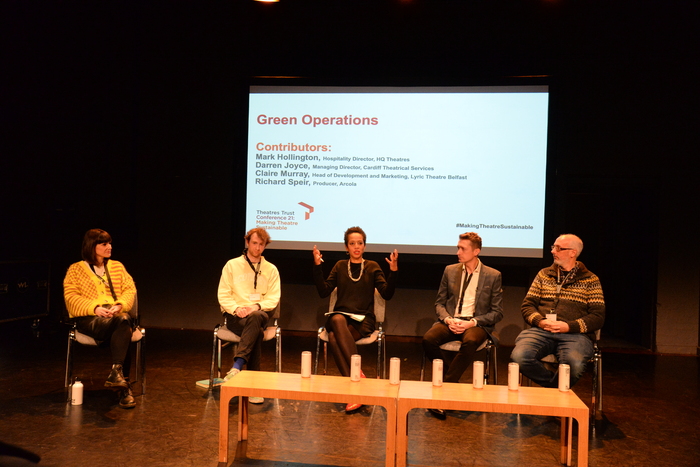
(318, 257)
(393, 260)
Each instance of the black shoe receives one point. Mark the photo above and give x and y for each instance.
(438, 413)
(116, 379)
(126, 400)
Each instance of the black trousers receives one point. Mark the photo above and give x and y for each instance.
(116, 330)
(439, 334)
(251, 329)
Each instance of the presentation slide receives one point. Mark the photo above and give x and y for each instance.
(414, 167)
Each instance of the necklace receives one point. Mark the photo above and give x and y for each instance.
(98, 270)
(362, 268)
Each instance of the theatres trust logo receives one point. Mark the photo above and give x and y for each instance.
(310, 210)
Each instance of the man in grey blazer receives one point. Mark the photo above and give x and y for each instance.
(468, 306)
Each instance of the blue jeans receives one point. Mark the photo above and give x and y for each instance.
(535, 343)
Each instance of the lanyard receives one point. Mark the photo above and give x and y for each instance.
(561, 282)
(111, 287)
(465, 284)
(256, 271)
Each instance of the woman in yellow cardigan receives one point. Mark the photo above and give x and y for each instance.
(99, 294)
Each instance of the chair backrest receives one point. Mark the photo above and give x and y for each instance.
(379, 304)
(275, 312)
(134, 312)
(333, 299)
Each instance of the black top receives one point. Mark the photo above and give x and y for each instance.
(355, 297)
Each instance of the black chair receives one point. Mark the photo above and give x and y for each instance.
(138, 336)
(223, 333)
(377, 336)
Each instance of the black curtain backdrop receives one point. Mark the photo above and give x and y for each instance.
(130, 116)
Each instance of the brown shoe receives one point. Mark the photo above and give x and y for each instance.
(116, 378)
(126, 400)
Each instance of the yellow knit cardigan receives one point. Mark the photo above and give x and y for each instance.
(84, 291)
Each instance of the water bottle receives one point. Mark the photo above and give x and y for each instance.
(76, 397)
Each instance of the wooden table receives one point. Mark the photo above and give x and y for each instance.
(316, 388)
(526, 400)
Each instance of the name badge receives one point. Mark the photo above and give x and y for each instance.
(254, 297)
(551, 316)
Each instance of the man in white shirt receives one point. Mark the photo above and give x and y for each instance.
(249, 291)
(468, 306)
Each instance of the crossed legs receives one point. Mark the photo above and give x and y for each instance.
(251, 329)
(341, 339)
(439, 334)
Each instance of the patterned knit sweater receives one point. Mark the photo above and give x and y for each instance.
(579, 303)
(83, 290)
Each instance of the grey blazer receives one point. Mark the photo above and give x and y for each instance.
(488, 308)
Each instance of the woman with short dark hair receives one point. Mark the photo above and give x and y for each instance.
(99, 294)
(353, 315)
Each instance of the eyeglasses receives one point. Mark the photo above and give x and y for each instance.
(558, 248)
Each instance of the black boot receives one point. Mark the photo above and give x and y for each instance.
(116, 378)
(126, 400)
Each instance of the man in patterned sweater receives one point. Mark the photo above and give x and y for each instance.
(565, 307)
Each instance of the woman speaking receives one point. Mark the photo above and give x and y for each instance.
(353, 314)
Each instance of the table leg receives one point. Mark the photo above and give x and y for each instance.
(391, 434)
(224, 400)
(582, 421)
(242, 418)
(401, 434)
(566, 440)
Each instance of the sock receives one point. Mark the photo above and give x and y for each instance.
(238, 363)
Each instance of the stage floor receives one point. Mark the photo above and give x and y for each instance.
(651, 406)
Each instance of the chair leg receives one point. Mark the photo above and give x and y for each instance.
(69, 361)
(137, 363)
(422, 367)
(219, 347)
(278, 350)
(69, 367)
(495, 364)
(141, 362)
(325, 358)
(318, 349)
(213, 359)
(599, 401)
(384, 374)
(597, 390)
(487, 364)
(380, 338)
